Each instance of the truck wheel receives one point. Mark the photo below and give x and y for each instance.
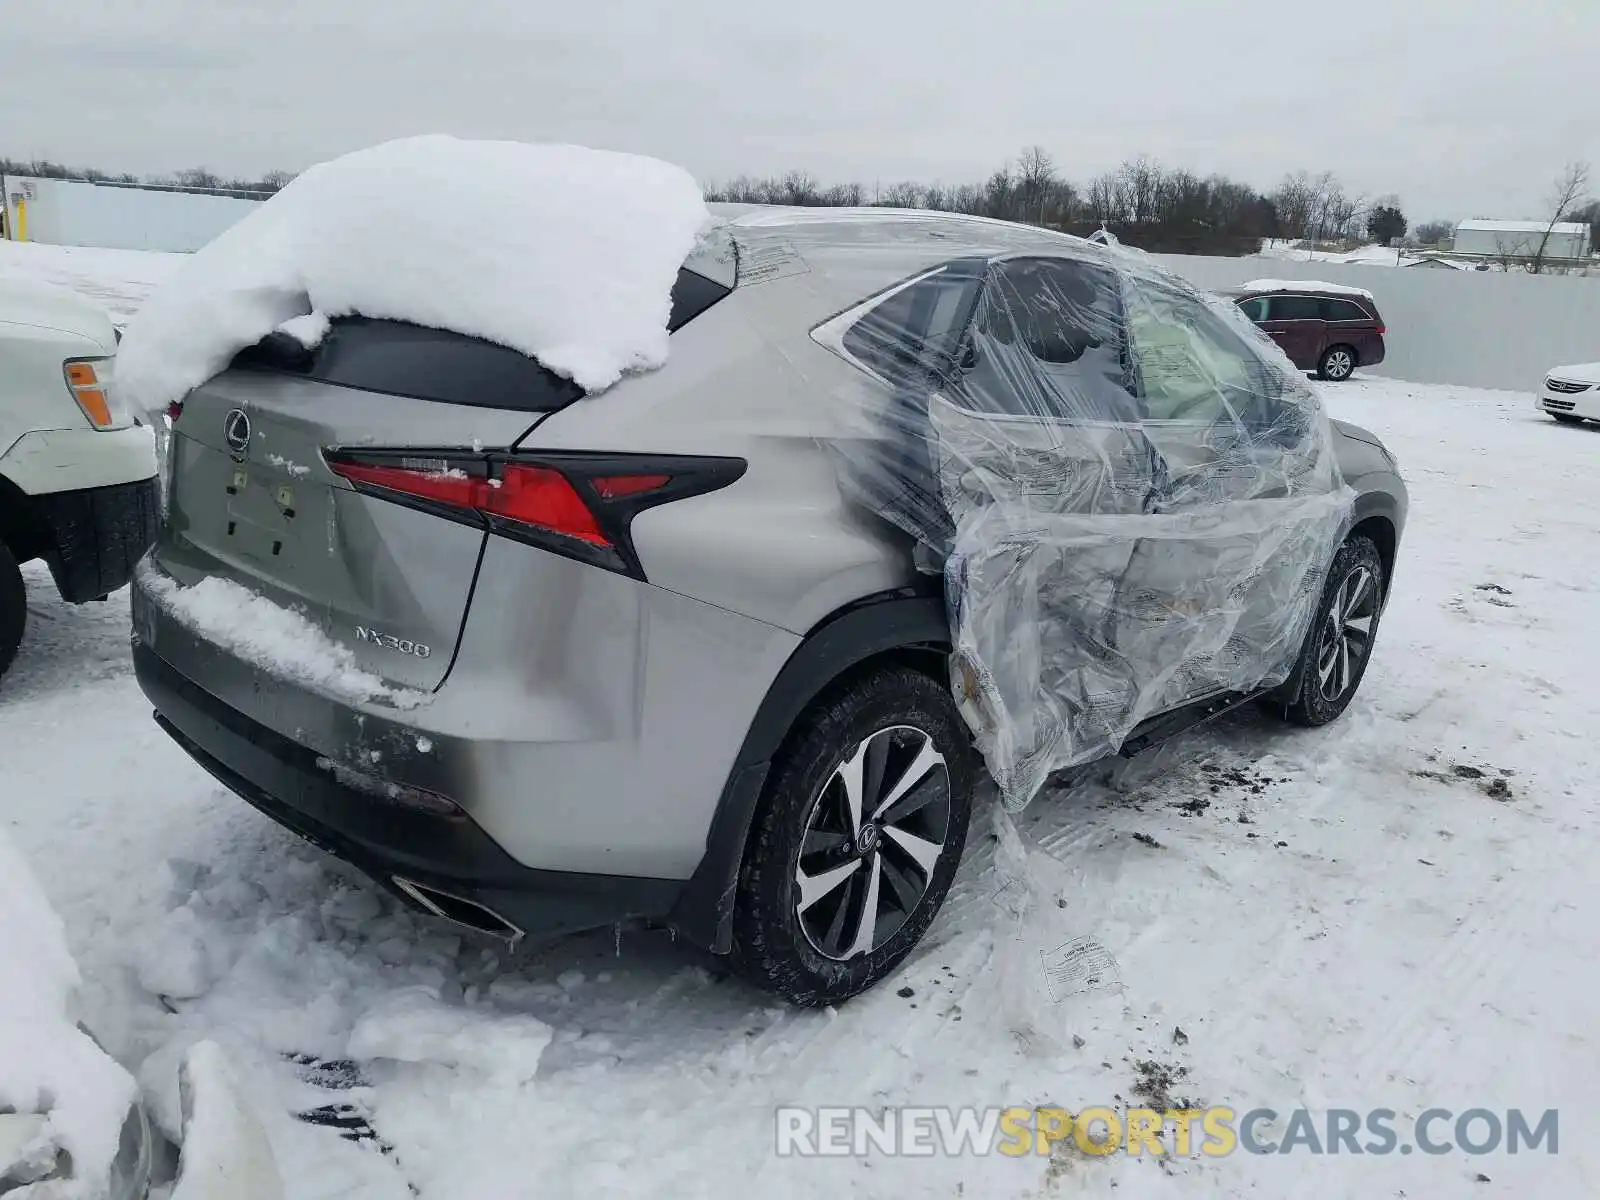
(13, 608)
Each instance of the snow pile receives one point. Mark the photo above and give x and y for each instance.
(46, 1062)
(564, 253)
(1305, 285)
(413, 1025)
(277, 640)
(225, 1150)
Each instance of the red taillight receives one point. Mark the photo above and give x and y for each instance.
(535, 496)
(175, 410)
(614, 487)
(578, 503)
(542, 497)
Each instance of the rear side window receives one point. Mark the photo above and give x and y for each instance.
(1343, 310)
(913, 330)
(1295, 308)
(398, 358)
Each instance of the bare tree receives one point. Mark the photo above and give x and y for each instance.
(843, 195)
(1294, 202)
(1568, 194)
(199, 178)
(1509, 249)
(998, 192)
(1036, 177)
(799, 188)
(903, 195)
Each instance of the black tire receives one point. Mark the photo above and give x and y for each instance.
(13, 608)
(875, 720)
(1310, 702)
(1566, 418)
(1338, 363)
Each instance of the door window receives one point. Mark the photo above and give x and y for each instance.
(1192, 365)
(1295, 308)
(1049, 341)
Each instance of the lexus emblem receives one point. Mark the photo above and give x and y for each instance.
(236, 432)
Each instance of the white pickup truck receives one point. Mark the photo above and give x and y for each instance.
(77, 470)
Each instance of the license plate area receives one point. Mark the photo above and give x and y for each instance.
(265, 510)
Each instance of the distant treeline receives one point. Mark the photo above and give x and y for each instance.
(195, 179)
(1142, 202)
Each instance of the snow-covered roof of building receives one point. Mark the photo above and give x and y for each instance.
(1305, 285)
(1563, 227)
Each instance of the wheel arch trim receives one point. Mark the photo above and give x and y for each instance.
(903, 619)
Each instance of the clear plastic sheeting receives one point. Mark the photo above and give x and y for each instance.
(1131, 493)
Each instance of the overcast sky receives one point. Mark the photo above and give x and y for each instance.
(1463, 107)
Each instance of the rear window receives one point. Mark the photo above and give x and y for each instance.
(398, 358)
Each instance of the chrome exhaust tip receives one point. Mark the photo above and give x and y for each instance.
(458, 910)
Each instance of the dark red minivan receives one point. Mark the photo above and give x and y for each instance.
(1322, 327)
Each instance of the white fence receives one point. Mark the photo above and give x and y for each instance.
(69, 212)
(1477, 328)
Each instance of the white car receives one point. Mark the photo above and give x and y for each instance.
(1572, 394)
(77, 470)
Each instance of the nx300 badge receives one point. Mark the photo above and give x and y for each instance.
(389, 642)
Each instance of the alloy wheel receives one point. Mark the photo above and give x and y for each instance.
(1340, 364)
(1346, 633)
(872, 839)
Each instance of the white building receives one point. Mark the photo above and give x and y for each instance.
(1569, 240)
(73, 212)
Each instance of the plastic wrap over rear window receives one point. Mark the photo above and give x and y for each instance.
(401, 359)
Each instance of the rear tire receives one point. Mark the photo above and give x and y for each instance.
(1567, 418)
(1338, 646)
(1337, 364)
(830, 899)
(13, 608)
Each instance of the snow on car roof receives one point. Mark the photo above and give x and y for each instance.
(1305, 285)
(562, 252)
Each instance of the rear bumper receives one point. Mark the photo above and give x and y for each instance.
(93, 538)
(386, 840)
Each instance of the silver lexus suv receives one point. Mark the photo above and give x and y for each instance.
(670, 668)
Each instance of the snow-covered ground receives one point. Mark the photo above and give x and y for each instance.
(1387, 913)
(118, 279)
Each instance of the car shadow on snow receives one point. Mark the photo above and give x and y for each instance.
(65, 645)
(272, 924)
